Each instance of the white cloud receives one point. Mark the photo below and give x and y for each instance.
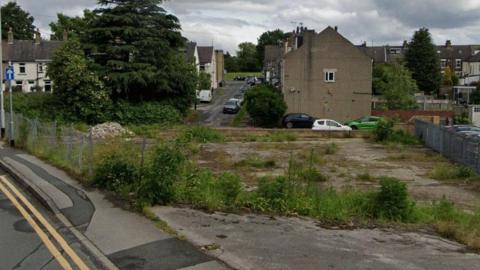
(229, 22)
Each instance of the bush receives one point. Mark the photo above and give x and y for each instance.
(450, 172)
(201, 134)
(145, 113)
(392, 201)
(312, 175)
(229, 186)
(265, 106)
(115, 173)
(384, 130)
(157, 185)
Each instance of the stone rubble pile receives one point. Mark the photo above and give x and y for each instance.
(109, 130)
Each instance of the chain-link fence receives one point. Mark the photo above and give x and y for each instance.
(69, 148)
(452, 145)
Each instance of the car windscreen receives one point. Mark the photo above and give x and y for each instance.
(231, 103)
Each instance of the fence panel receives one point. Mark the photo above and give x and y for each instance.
(454, 146)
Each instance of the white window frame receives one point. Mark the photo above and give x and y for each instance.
(458, 63)
(20, 66)
(330, 75)
(443, 63)
(41, 68)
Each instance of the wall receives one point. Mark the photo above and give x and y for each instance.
(220, 61)
(408, 115)
(31, 77)
(305, 89)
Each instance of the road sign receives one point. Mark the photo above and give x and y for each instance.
(9, 74)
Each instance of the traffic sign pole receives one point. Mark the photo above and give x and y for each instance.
(10, 76)
(2, 109)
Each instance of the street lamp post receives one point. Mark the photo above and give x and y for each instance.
(2, 110)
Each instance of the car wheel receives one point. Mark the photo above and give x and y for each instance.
(289, 125)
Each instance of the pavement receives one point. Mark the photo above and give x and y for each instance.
(117, 239)
(211, 114)
(248, 242)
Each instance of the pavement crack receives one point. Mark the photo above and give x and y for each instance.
(19, 264)
(47, 263)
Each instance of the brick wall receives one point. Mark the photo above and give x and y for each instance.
(407, 116)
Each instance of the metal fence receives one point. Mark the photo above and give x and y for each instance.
(69, 148)
(454, 146)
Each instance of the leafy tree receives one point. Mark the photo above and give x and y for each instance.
(423, 61)
(136, 49)
(231, 63)
(247, 57)
(76, 27)
(21, 22)
(448, 77)
(83, 94)
(265, 105)
(394, 82)
(269, 38)
(204, 81)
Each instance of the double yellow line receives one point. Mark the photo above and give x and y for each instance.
(16, 197)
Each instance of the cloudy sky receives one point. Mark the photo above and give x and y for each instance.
(225, 23)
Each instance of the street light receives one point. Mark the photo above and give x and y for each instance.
(2, 110)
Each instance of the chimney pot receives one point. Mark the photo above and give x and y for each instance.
(336, 28)
(38, 37)
(10, 35)
(448, 43)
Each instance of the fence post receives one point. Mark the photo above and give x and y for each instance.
(90, 158)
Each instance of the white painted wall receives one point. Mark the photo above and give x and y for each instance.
(32, 76)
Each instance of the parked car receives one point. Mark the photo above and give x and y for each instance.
(239, 78)
(298, 120)
(329, 125)
(205, 96)
(460, 128)
(239, 97)
(232, 106)
(367, 122)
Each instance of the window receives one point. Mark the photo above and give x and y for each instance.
(476, 109)
(458, 63)
(395, 51)
(444, 63)
(21, 68)
(18, 82)
(48, 86)
(332, 124)
(321, 123)
(330, 75)
(31, 82)
(40, 67)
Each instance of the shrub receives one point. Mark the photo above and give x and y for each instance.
(312, 175)
(331, 149)
(450, 172)
(115, 173)
(273, 193)
(229, 186)
(384, 130)
(201, 134)
(265, 106)
(392, 201)
(145, 113)
(157, 185)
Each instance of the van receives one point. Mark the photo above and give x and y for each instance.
(205, 96)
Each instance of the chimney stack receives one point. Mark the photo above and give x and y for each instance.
(405, 44)
(448, 44)
(10, 36)
(38, 37)
(336, 28)
(65, 35)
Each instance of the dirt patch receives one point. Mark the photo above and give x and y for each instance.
(348, 168)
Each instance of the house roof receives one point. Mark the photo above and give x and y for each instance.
(190, 50)
(28, 51)
(205, 55)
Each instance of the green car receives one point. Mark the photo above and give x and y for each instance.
(367, 122)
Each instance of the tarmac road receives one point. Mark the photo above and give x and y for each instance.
(212, 114)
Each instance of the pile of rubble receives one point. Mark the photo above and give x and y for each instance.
(109, 130)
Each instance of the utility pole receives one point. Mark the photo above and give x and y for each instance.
(2, 110)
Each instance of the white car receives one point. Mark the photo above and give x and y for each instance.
(329, 125)
(205, 96)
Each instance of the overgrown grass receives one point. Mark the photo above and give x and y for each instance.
(275, 136)
(452, 172)
(201, 134)
(231, 75)
(331, 149)
(240, 117)
(256, 162)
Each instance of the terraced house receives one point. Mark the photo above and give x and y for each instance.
(325, 75)
(30, 59)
